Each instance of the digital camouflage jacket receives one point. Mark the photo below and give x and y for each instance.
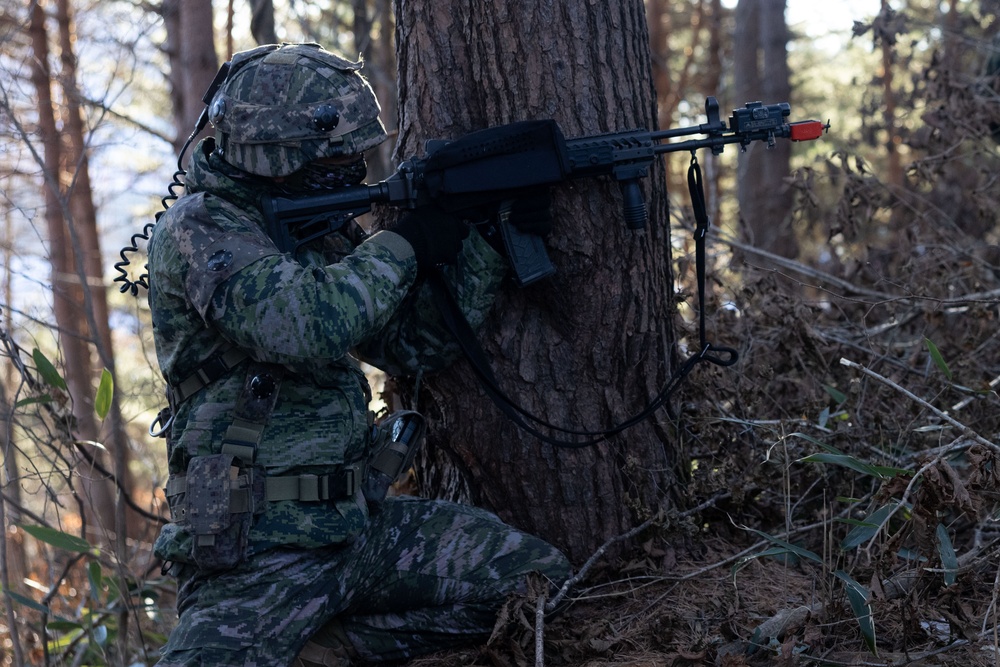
(218, 283)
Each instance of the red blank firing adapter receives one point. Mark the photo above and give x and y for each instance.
(807, 130)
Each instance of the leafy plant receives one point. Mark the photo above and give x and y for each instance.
(85, 637)
(858, 596)
(937, 358)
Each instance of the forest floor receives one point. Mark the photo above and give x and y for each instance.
(685, 607)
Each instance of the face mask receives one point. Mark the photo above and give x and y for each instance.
(319, 176)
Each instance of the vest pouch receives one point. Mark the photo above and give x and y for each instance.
(221, 500)
(173, 548)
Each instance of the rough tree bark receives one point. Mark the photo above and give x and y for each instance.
(894, 170)
(590, 345)
(373, 38)
(262, 22)
(13, 560)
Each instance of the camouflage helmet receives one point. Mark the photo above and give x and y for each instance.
(282, 107)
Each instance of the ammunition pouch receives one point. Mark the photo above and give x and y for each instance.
(216, 498)
(215, 502)
(221, 499)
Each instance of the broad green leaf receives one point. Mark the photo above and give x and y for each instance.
(105, 392)
(44, 398)
(853, 522)
(859, 598)
(879, 472)
(59, 539)
(114, 590)
(47, 370)
(773, 551)
(868, 528)
(798, 551)
(28, 602)
(65, 641)
(824, 417)
(947, 552)
(938, 359)
(835, 394)
(94, 575)
(822, 445)
(64, 626)
(911, 554)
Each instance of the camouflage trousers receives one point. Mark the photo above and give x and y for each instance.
(423, 576)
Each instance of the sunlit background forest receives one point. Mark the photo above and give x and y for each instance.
(842, 486)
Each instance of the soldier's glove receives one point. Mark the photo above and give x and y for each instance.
(532, 214)
(435, 235)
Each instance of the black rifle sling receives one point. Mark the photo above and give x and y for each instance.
(697, 191)
(460, 329)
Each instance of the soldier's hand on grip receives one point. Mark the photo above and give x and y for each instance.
(532, 214)
(435, 235)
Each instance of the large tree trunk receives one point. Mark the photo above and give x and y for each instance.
(589, 346)
(672, 81)
(67, 293)
(374, 29)
(777, 87)
(894, 171)
(761, 74)
(89, 267)
(13, 561)
(262, 22)
(190, 48)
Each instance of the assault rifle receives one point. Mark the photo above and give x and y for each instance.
(492, 166)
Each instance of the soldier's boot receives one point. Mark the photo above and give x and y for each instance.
(329, 647)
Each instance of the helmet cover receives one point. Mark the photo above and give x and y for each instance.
(281, 107)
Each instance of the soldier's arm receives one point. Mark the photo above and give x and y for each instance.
(416, 338)
(293, 314)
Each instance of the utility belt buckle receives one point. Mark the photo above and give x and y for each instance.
(214, 367)
(331, 487)
(351, 476)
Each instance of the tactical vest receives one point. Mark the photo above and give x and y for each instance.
(217, 499)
